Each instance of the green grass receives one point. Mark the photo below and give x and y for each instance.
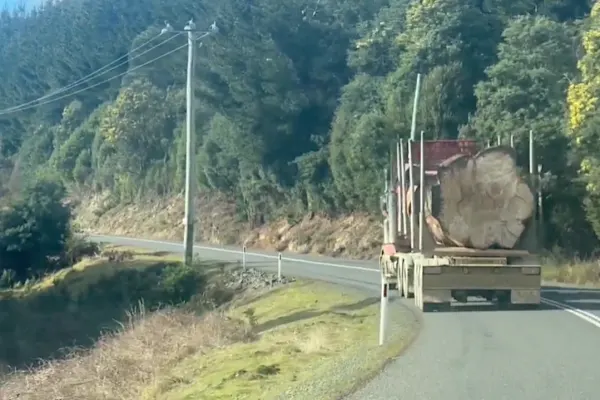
(75, 305)
(573, 272)
(299, 328)
(262, 345)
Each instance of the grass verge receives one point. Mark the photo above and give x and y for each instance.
(74, 306)
(301, 340)
(577, 273)
(305, 333)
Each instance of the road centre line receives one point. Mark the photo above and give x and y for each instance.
(582, 314)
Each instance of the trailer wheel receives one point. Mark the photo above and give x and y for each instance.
(503, 299)
(406, 281)
(441, 307)
(529, 307)
(417, 286)
(399, 277)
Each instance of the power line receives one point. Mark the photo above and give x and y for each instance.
(88, 77)
(91, 75)
(4, 112)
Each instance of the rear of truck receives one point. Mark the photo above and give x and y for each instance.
(438, 274)
(496, 276)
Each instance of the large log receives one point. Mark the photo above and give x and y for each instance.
(480, 202)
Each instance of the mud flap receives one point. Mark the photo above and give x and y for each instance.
(434, 300)
(437, 296)
(525, 296)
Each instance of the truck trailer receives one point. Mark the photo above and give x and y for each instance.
(461, 223)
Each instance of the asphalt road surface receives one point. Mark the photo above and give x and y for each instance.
(472, 353)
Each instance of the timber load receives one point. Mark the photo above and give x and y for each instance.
(479, 201)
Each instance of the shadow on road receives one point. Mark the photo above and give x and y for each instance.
(486, 306)
(587, 299)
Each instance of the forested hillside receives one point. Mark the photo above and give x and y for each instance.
(299, 100)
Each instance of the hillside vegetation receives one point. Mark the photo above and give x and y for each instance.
(299, 101)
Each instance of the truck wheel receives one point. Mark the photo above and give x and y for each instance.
(399, 278)
(407, 278)
(405, 282)
(503, 299)
(460, 296)
(437, 307)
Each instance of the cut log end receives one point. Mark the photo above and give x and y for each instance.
(483, 202)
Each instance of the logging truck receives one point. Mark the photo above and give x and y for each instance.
(461, 223)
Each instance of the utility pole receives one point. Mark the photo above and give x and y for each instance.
(190, 149)
(190, 146)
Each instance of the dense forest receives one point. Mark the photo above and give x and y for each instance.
(299, 101)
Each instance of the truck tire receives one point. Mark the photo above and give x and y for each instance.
(399, 277)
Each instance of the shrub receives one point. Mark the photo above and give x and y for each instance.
(7, 278)
(78, 248)
(34, 228)
(180, 282)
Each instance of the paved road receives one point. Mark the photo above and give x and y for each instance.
(475, 354)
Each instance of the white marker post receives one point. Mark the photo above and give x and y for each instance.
(244, 257)
(279, 267)
(383, 310)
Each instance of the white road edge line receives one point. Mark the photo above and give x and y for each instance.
(584, 315)
(298, 260)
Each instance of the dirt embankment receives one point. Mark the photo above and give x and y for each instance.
(355, 236)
